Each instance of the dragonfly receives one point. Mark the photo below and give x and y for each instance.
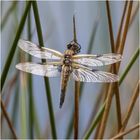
(70, 64)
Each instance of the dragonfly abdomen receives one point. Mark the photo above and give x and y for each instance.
(66, 71)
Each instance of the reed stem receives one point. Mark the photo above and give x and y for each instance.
(76, 113)
(134, 14)
(130, 64)
(31, 104)
(126, 132)
(110, 27)
(95, 121)
(133, 59)
(117, 94)
(74, 30)
(8, 119)
(46, 80)
(126, 26)
(14, 45)
(121, 25)
(91, 42)
(110, 93)
(77, 92)
(132, 102)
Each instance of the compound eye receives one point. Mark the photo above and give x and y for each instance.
(69, 46)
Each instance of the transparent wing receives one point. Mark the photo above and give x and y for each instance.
(84, 75)
(38, 69)
(40, 52)
(97, 60)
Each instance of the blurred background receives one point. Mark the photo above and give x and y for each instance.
(57, 28)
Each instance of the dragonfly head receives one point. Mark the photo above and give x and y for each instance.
(74, 46)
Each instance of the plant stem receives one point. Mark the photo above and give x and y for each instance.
(15, 106)
(7, 119)
(74, 30)
(91, 42)
(132, 102)
(94, 110)
(76, 113)
(110, 27)
(110, 93)
(117, 45)
(77, 92)
(36, 124)
(106, 112)
(121, 46)
(48, 91)
(95, 121)
(23, 108)
(128, 67)
(126, 132)
(134, 57)
(121, 25)
(31, 110)
(14, 45)
(117, 94)
(134, 15)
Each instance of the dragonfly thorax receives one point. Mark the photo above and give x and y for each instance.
(67, 60)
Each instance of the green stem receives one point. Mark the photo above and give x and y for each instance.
(46, 80)
(23, 109)
(15, 105)
(133, 59)
(130, 64)
(36, 123)
(14, 45)
(31, 111)
(95, 121)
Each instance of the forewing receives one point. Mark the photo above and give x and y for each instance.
(97, 60)
(40, 52)
(84, 75)
(38, 69)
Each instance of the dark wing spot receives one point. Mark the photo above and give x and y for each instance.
(99, 55)
(93, 70)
